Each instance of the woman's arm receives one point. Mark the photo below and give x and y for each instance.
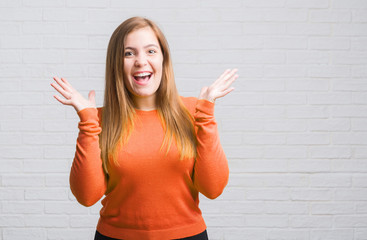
(87, 179)
(211, 167)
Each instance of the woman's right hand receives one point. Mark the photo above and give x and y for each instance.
(71, 96)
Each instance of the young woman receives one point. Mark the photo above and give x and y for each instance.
(148, 150)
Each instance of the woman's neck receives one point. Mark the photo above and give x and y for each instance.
(145, 103)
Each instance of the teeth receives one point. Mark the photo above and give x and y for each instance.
(142, 74)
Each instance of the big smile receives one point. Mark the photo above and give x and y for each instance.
(142, 78)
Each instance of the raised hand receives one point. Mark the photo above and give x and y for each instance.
(71, 96)
(221, 87)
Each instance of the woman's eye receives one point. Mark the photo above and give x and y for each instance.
(152, 51)
(127, 54)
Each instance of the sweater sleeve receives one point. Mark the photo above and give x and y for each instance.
(211, 167)
(87, 178)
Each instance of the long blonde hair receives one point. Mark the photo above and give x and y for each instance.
(118, 110)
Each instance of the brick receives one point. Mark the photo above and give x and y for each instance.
(330, 152)
(351, 138)
(264, 3)
(349, 165)
(43, 3)
(46, 221)
(359, 43)
(352, 57)
(238, 233)
(11, 194)
(263, 139)
(21, 152)
(11, 221)
(43, 56)
(264, 28)
(10, 138)
(23, 42)
(329, 43)
(351, 194)
(32, 28)
(285, 99)
(294, 152)
(310, 221)
(46, 194)
(349, 85)
(349, 4)
(65, 15)
(309, 166)
(10, 56)
(360, 234)
(350, 221)
(43, 138)
(334, 234)
(83, 221)
(286, 208)
(359, 98)
(266, 221)
(307, 57)
(23, 181)
(332, 124)
(312, 194)
(65, 42)
(268, 194)
(11, 166)
(47, 166)
(314, 85)
(348, 29)
(89, 3)
(330, 16)
(329, 71)
(23, 207)
(69, 234)
(308, 139)
(225, 221)
(24, 233)
(330, 180)
(349, 111)
(57, 180)
(20, 14)
(285, 125)
(304, 112)
(330, 99)
(307, 4)
(331, 208)
(284, 71)
(309, 29)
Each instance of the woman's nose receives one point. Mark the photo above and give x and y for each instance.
(140, 61)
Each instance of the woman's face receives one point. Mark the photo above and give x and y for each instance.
(143, 61)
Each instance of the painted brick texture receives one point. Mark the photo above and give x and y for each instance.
(294, 130)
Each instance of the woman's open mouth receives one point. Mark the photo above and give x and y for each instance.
(142, 78)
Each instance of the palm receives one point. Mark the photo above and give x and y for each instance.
(221, 87)
(71, 96)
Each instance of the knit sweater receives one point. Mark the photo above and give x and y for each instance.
(149, 195)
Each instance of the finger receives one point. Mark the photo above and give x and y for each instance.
(61, 91)
(230, 74)
(222, 94)
(67, 83)
(61, 100)
(229, 82)
(62, 84)
(92, 96)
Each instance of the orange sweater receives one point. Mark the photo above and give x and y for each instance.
(150, 195)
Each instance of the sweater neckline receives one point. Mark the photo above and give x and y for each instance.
(145, 112)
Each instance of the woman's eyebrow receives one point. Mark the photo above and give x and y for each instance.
(147, 46)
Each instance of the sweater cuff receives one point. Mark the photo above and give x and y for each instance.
(88, 114)
(205, 106)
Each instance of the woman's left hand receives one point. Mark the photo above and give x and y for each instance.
(221, 87)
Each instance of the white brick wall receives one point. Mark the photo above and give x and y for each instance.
(294, 130)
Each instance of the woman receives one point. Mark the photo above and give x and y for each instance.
(148, 150)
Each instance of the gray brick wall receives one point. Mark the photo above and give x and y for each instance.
(294, 129)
